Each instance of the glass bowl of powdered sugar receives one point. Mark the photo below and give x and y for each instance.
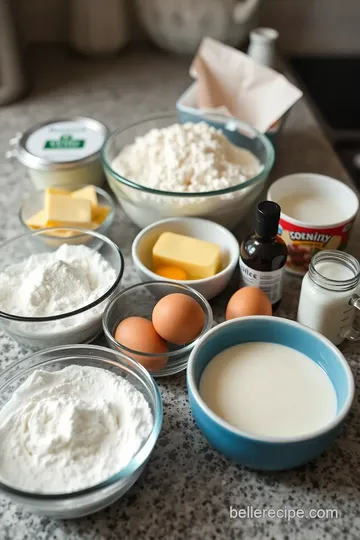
(215, 168)
(55, 294)
(77, 426)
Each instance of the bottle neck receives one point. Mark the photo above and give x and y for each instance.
(266, 229)
(265, 238)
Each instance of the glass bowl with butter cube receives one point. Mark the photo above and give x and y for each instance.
(192, 251)
(88, 207)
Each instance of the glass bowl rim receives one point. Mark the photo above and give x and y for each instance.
(104, 225)
(132, 466)
(106, 294)
(267, 166)
(171, 354)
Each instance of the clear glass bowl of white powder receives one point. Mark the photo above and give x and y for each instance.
(53, 294)
(158, 168)
(65, 448)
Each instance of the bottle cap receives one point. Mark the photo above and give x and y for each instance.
(267, 219)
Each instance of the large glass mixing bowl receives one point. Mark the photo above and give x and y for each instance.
(229, 206)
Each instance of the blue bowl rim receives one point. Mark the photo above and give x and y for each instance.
(192, 388)
(234, 258)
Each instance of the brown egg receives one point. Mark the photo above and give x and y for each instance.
(248, 301)
(140, 335)
(178, 318)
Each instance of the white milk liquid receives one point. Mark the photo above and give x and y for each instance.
(267, 389)
(323, 310)
(333, 270)
(313, 208)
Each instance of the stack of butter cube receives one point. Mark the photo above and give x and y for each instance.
(63, 208)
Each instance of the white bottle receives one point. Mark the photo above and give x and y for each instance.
(262, 46)
(328, 298)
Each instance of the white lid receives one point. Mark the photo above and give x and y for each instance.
(62, 144)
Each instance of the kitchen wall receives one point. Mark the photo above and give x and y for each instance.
(47, 20)
(315, 25)
(41, 20)
(304, 25)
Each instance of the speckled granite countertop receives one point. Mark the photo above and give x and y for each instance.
(187, 488)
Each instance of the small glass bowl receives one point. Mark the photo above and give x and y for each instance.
(94, 498)
(78, 326)
(139, 301)
(35, 202)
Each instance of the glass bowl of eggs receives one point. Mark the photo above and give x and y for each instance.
(157, 323)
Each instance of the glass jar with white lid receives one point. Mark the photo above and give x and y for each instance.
(63, 152)
(329, 295)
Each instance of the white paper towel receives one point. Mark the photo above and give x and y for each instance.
(230, 81)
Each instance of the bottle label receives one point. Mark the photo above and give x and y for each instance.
(303, 242)
(271, 283)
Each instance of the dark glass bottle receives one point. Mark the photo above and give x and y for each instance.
(263, 254)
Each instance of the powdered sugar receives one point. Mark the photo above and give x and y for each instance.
(56, 283)
(52, 283)
(67, 430)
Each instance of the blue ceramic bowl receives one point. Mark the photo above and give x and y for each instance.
(269, 453)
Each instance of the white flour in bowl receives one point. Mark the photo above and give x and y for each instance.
(186, 158)
(67, 430)
(48, 284)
